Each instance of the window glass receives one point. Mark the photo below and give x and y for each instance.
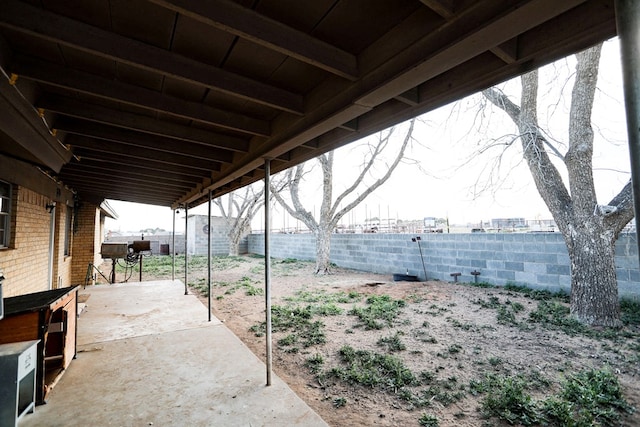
(67, 231)
(5, 213)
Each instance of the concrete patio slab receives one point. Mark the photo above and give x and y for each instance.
(138, 365)
(126, 310)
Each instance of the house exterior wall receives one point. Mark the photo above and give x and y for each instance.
(61, 262)
(86, 241)
(26, 262)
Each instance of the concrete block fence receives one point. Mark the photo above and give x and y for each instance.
(537, 260)
(197, 238)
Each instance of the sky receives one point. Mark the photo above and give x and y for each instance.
(450, 174)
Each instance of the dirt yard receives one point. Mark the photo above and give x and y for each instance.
(361, 349)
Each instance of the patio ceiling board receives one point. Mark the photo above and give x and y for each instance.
(117, 163)
(110, 147)
(87, 166)
(120, 119)
(136, 95)
(106, 183)
(207, 90)
(264, 31)
(140, 140)
(124, 50)
(125, 192)
(140, 183)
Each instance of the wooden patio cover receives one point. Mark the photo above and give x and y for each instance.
(160, 101)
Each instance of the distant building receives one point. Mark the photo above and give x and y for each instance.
(542, 225)
(376, 225)
(429, 221)
(508, 223)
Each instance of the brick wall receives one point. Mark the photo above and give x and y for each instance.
(61, 262)
(26, 263)
(86, 241)
(538, 260)
(31, 263)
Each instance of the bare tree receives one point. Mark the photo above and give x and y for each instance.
(330, 211)
(590, 229)
(241, 206)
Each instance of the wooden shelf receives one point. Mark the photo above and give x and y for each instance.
(51, 317)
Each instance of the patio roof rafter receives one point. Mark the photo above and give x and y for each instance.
(71, 107)
(248, 24)
(39, 23)
(234, 82)
(136, 96)
(116, 163)
(141, 140)
(109, 147)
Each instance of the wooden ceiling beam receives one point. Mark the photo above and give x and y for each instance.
(444, 8)
(43, 24)
(129, 195)
(103, 188)
(141, 140)
(137, 122)
(79, 181)
(117, 180)
(101, 87)
(248, 24)
(126, 151)
(20, 122)
(410, 97)
(117, 162)
(447, 9)
(137, 173)
(467, 40)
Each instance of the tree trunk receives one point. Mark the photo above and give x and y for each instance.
(323, 250)
(234, 248)
(594, 285)
(234, 241)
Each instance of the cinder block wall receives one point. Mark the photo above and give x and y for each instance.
(25, 263)
(537, 260)
(155, 241)
(198, 238)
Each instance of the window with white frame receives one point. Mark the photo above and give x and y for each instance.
(5, 214)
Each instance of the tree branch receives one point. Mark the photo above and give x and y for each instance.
(580, 153)
(297, 211)
(545, 175)
(381, 180)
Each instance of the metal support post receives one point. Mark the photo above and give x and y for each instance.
(628, 22)
(267, 263)
(173, 248)
(209, 257)
(186, 255)
(417, 239)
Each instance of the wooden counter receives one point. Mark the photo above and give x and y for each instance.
(48, 316)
